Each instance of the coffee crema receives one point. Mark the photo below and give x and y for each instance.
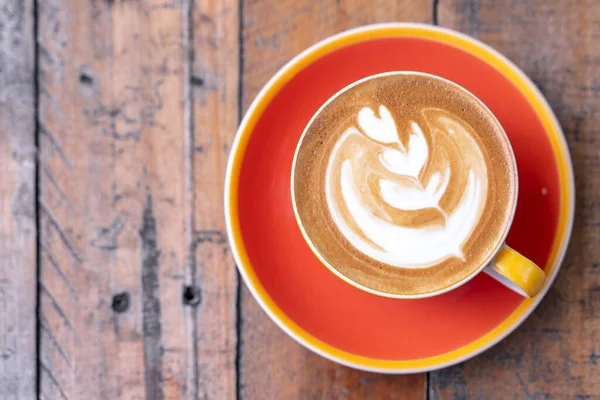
(404, 183)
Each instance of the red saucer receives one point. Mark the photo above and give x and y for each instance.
(303, 296)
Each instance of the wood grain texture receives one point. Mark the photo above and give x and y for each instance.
(116, 234)
(556, 352)
(214, 87)
(273, 366)
(17, 202)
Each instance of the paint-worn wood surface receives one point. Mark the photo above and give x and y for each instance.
(114, 231)
(137, 289)
(17, 202)
(133, 106)
(214, 78)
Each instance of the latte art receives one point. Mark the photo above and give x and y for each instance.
(376, 187)
(404, 183)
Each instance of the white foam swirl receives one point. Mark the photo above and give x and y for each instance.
(407, 183)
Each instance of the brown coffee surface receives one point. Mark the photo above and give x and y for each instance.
(404, 183)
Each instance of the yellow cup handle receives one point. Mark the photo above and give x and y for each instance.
(516, 272)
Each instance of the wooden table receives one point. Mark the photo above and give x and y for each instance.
(116, 279)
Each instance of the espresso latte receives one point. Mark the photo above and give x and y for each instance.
(404, 183)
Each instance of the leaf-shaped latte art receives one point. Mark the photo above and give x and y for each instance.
(405, 197)
(379, 220)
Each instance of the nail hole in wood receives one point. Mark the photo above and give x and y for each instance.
(120, 302)
(197, 81)
(191, 295)
(86, 79)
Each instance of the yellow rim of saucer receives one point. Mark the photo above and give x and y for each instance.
(449, 37)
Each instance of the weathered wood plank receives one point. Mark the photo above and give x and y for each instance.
(272, 364)
(214, 87)
(115, 205)
(555, 353)
(17, 201)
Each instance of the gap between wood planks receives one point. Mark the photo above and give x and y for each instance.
(36, 139)
(238, 294)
